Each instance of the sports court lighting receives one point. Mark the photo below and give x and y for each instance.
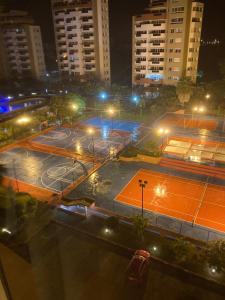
(111, 111)
(163, 131)
(103, 96)
(135, 99)
(199, 109)
(75, 107)
(160, 191)
(90, 131)
(142, 185)
(23, 120)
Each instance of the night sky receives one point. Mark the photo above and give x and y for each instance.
(121, 12)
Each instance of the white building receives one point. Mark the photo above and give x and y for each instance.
(21, 49)
(166, 42)
(82, 37)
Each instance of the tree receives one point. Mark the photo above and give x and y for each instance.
(140, 224)
(215, 254)
(184, 90)
(184, 252)
(142, 105)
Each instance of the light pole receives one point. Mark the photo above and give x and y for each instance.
(207, 96)
(142, 185)
(75, 109)
(22, 121)
(91, 133)
(164, 132)
(111, 112)
(198, 110)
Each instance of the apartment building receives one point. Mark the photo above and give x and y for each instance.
(166, 42)
(21, 49)
(82, 37)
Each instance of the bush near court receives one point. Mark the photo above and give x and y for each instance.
(182, 252)
(15, 207)
(132, 151)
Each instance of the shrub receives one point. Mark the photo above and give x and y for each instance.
(134, 151)
(215, 255)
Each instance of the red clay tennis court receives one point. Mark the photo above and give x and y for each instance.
(179, 198)
(183, 122)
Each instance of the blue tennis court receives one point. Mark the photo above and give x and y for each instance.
(112, 124)
(41, 169)
(79, 141)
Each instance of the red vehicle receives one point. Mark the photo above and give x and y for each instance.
(138, 265)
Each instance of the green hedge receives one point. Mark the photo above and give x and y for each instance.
(134, 151)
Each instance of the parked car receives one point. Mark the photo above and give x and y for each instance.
(138, 265)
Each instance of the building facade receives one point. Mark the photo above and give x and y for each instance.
(166, 42)
(21, 49)
(82, 37)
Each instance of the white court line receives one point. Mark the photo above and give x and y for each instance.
(60, 179)
(178, 178)
(168, 209)
(126, 185)
(211, 221)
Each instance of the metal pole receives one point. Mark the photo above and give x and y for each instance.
(142, 198)
(93, 145)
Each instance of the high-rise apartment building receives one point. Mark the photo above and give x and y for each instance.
(166, 42)
(21, 49)
(82, 37)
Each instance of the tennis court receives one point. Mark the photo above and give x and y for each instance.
(100, 143)
(42, 170)
(196, 150)
(188, 122)
(113, 124)
(183, 199)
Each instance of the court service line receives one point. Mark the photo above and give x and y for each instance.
(177, 178)
(60, 179)
(127, 184)
(139, 201)
(201, 202)
(27, 183)
(211, 221)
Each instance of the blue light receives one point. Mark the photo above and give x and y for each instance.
(135, 99)
(3, 109)
(155, 77)
(103, 96)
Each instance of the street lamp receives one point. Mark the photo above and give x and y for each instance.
(23, 120)
(103, 96)
(90, 131)
(111, 112)
(164, 132)
(135, 99)
(207, 96)
(142, 185)
(75, 108)
(199, 109)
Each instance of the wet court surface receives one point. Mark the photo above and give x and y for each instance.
(41, 169)
(79, 141)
